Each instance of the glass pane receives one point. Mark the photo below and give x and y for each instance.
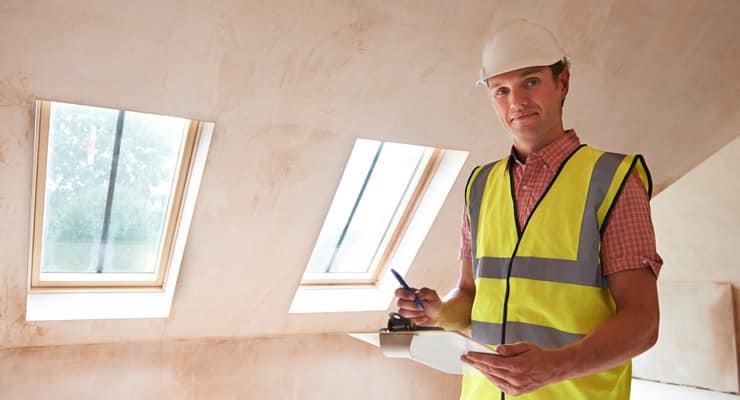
(377, 178)
(80, 166)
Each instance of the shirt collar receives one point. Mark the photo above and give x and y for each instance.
(554, 153)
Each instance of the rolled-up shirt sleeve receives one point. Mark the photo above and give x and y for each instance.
(629, 238)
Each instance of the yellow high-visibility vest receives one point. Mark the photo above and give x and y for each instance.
(542, 282)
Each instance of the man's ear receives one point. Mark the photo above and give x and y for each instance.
(564, 81)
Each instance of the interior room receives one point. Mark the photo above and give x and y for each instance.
(274, 104)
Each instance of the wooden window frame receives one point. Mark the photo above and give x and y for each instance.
(390, 241)
(172, 218)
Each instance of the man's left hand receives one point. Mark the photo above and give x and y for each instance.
(519, 368)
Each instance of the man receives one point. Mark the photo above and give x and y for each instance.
(559, 265)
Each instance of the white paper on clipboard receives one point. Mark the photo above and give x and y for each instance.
(440, 350)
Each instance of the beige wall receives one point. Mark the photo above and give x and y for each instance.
(697, 220)
(697, 343)
(302, 367)
(291, 87)
(697, 224)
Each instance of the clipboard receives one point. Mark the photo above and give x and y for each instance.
(433, 347)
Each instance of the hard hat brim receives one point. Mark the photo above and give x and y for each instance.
(534, 62)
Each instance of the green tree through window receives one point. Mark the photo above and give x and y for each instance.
(80, 152)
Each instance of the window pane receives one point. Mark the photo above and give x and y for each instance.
(377, 178)
(79, 170)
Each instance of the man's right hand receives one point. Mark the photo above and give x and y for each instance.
(408, 308)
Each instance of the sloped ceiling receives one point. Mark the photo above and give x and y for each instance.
(290, 85)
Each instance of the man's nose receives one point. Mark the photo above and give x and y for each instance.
(519, 99)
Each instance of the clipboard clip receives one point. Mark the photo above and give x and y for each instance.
(399, 323)
(395, 339)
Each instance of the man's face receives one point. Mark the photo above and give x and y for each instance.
(528, 102)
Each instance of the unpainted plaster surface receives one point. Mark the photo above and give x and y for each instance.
(697, 225)
(290, 86)
(294, 367)
(697, 339)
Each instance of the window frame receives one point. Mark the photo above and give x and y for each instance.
(389, 243)
(39, 281)
(378, 297)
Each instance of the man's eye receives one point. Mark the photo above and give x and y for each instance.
(501, 91)
(532, 82)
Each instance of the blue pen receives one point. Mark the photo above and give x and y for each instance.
(406, 286)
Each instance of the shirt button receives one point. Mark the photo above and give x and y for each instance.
(525, 187)
(645, 261)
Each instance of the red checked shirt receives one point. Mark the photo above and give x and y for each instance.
(629, 239)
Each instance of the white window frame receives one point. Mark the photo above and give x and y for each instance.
(50, 280)
(84, 302)
(397, 226)
(378, 295)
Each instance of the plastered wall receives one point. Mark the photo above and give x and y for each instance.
(302, 367)
(291, 85)
(697, 225)
(697, 220)
(697, 341)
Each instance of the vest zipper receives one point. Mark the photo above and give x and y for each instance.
(520, 235)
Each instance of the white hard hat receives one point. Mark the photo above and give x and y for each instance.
(519, 44)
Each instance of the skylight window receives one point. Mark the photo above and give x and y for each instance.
(376, 196)
(109, 188)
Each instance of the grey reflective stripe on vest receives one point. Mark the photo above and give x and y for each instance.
(545, 337)
(601, 178)
(476, 193)
(542, 269)
(583, 271)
